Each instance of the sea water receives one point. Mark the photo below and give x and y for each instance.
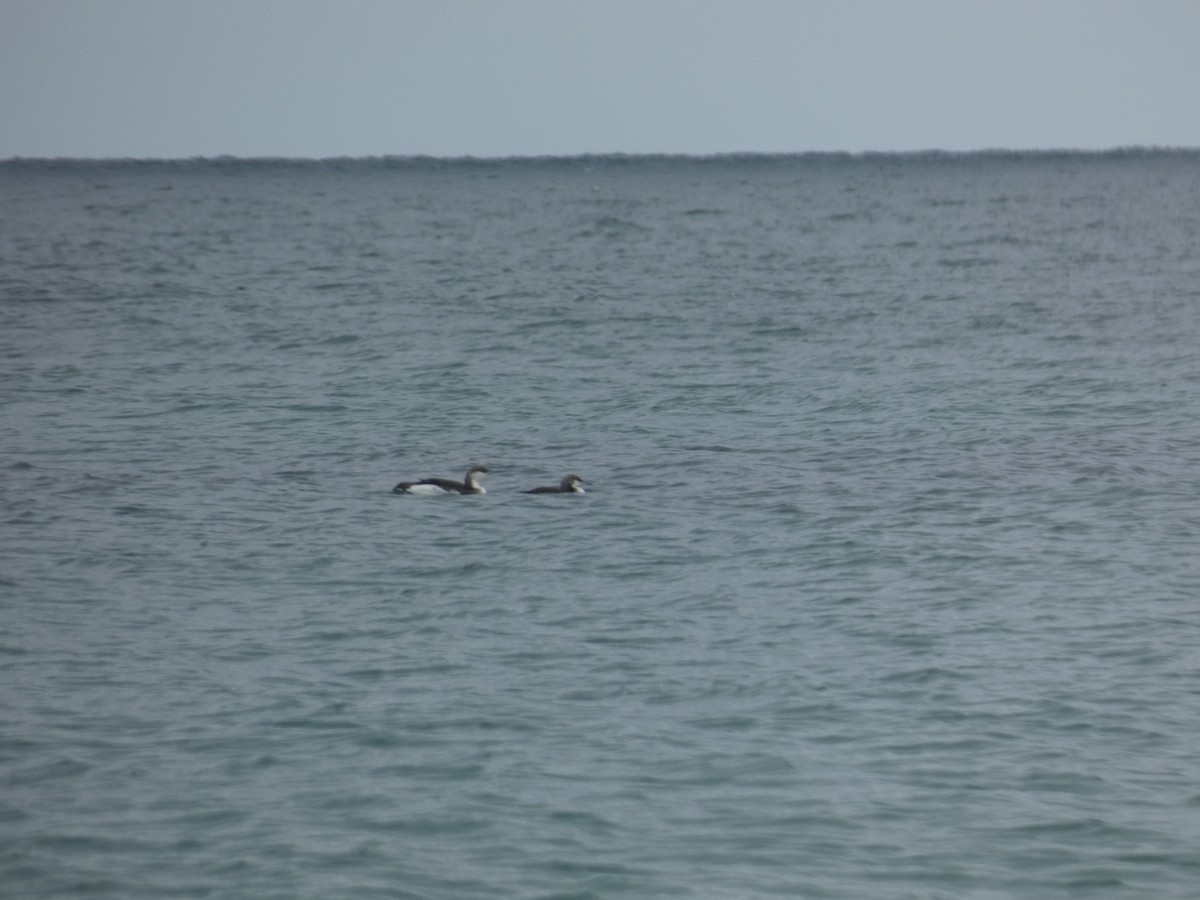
(887, 584)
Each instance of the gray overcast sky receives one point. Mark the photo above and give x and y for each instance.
(304, 78)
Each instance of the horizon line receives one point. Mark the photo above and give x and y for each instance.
(1126, 149)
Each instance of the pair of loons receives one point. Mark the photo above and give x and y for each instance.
(571, 484)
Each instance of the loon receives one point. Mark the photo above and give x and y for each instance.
(432, 486)
(569, 485)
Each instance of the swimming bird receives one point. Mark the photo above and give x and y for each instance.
(432, 486)
(569, 485)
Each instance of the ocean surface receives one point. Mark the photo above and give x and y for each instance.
(887, 584)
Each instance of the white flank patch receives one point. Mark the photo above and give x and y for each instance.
(426, 490)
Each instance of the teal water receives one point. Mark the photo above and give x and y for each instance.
(886, 585)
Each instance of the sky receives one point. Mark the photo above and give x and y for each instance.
(497, 78)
